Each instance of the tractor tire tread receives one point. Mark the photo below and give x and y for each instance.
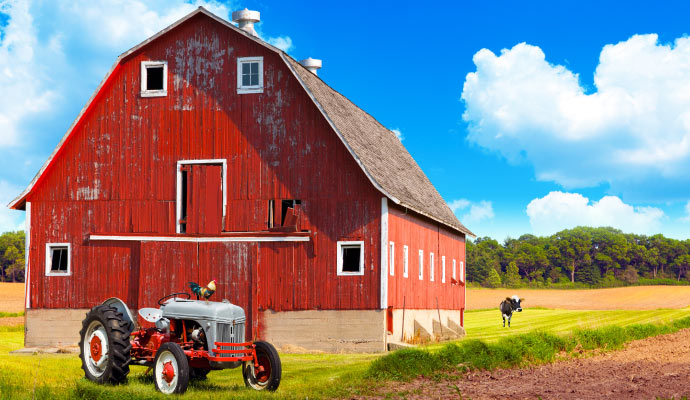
(118, 331)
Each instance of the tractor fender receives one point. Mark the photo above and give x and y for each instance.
(122, 308)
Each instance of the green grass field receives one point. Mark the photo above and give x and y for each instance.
(487, 324)
(313, 376)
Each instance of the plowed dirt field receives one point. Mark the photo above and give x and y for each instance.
(627, 298)
(645, 369)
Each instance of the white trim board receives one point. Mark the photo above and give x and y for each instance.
(193, 239)
(384, 253)
(27, 256)
(178, 189)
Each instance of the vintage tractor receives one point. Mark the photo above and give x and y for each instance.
(190, 338)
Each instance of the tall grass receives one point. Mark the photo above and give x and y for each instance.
(535, 347)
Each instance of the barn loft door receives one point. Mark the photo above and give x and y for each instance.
(202, 198)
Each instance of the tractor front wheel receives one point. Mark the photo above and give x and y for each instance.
(267, 376)
(171, 369)
(104, 345)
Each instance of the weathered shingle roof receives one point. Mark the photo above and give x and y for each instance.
(379, 152)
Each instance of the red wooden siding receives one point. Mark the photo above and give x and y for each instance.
(118, 174)
(419, 233)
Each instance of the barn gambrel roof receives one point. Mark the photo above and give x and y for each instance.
(380, 154)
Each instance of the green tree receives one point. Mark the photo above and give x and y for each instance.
(15, 261)
(573, 246)
(681, 264)
(13, 240)
(493, 280)
(531, 260)
(512, 277)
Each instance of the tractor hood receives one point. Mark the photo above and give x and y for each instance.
(203, 310)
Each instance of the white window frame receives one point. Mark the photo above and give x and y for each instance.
(154, 93)
(250, 89)
(454, 275)
(406, 263)
(340, 257)
(391, 258)
(462, 272)
(178, 202)
(432, 264)
(443, 269)
(421, 264)
(49, 259)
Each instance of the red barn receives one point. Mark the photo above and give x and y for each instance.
(207, 153)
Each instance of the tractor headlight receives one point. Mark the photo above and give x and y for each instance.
(163, 325)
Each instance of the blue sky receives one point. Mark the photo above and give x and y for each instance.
(528, 117)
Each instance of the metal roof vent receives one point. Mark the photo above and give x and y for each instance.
(311, 64)
(246, 20)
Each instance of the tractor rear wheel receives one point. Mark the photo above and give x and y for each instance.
(267, 377)
(104, 345)
(171, 369)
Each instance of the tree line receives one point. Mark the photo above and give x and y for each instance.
(12, 257)
(592, 256)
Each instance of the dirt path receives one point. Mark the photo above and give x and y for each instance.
(645, 369)
(627, 298)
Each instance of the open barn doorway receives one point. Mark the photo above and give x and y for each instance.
(201, 196)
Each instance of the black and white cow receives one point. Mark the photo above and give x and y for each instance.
(507, 307)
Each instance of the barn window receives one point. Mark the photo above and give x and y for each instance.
(391, 258)
(287, 204)
(432, 266)
(58, 259)
(250, 75)
(454, 276)
(154, 78)
(462, 272)
(351, 258)
(421, 264)
(405, 262)
(443, 269)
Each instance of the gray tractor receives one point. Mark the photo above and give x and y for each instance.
(188, 339)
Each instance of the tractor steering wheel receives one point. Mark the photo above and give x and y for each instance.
(173, 295)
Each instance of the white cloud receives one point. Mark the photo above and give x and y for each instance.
(10, 220)
(476, 213)
(398, 134)
(686, 218)
(635, 128)
(23, 94)
(459, 204)
(282, 42)
(558, 210)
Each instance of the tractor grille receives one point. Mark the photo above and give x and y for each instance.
(230, 333)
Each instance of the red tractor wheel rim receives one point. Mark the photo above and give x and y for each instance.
(262, 376)
(168, 372)
(96, 348)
